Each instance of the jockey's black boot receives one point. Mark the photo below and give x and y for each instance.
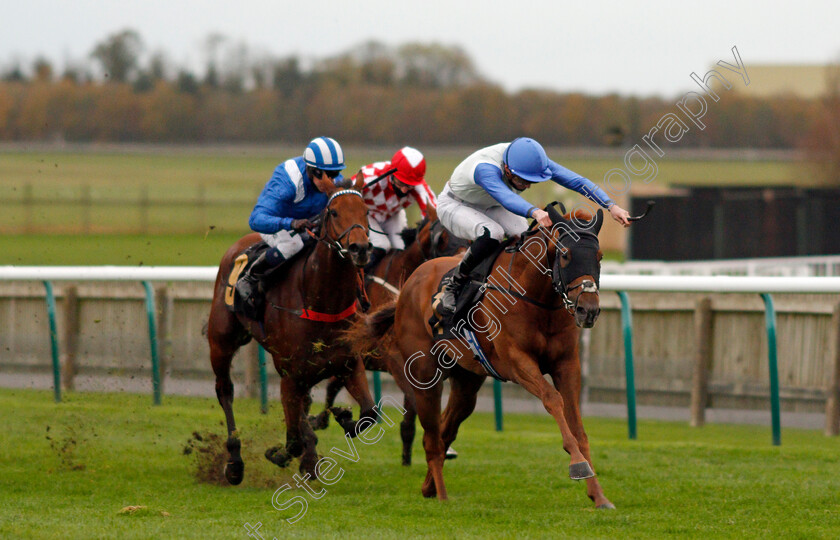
(376, 255)
(250, 284)
(480, 249)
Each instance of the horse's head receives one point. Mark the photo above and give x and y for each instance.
(576, 270)
(344, 225)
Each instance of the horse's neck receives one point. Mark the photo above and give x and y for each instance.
(330, 279)
(410, 258)
(529, 276)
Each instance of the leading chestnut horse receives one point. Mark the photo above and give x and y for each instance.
(526, 325)
(304, 316)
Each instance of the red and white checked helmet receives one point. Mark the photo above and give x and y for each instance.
(410, 165)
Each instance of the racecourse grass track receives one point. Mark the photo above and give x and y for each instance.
(106, 452)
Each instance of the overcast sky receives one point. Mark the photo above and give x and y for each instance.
(594, 46)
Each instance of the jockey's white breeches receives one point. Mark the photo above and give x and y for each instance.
(288, 243)
(386, 234)
(468, 221)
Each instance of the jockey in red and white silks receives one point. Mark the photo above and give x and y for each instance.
(388, 198)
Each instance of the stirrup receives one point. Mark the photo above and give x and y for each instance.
(247, 286)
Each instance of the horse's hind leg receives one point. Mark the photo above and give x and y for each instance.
(222, 349)
(322, 420)
(428, 410)
(408, 429)
(356, 384)
(567, 380)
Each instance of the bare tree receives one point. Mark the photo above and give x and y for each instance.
(119, 55)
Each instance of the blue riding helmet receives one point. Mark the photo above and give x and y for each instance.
(526, 159)
(324, 153)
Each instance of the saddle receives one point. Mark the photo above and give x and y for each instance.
(254, 307)
(442, 325)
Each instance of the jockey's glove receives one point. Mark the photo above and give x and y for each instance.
(300, 224)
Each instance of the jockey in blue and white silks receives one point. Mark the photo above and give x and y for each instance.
(481, 201)
(291, 198)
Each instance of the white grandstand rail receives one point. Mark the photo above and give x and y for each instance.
(813, 265)
(720, 284)
(109, 273)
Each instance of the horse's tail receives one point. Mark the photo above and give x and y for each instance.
(381, 320)
(368, 333)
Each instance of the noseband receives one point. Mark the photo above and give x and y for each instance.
(335, 243)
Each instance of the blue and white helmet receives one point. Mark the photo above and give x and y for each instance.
(324, 153)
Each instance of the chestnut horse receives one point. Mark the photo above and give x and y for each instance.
(540, 295)
(383, 283)
(303, 319)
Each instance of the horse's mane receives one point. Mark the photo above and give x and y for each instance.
(409, 236)
(581, 216)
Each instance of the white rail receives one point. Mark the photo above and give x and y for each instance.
(109, 273)
(609, 282)
(821, 265)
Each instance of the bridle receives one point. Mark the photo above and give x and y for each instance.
(334, 243)
(558, 279)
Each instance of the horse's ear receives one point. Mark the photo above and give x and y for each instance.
(599, 220)
(358, 181)
(329, 187)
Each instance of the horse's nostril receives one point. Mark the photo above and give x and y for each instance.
(580, 310)
(354, 248)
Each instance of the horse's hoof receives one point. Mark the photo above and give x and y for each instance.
(580, 471)
(278, 456)
(406, 461)
(308, 468)
(234, 472)
(429, 491)
(321, 421)
(606, 506)
(341, 414)
(451, 453)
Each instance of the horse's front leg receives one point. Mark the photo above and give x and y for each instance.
(567, 381)
(527, 373)
(293, 407)
(309, 457)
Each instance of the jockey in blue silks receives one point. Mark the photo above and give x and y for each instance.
(289, 201)
(481, 202)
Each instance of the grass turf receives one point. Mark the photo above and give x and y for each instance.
(718, 481)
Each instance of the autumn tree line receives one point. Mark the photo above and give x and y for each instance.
(416, 93)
